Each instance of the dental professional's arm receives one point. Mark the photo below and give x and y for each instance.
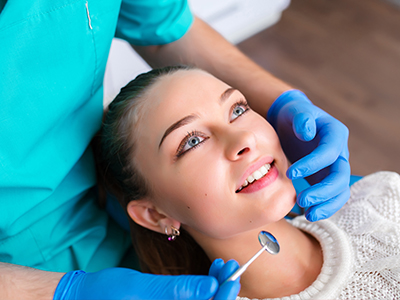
(312, 139)
(18, 282)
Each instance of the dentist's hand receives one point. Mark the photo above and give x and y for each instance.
(222, 271)
(120, 283)
(317, 144)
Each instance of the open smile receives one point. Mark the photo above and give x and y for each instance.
(259, 179)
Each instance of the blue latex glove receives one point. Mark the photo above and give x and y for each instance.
(121, 283)
(221, 271)
(317, 144)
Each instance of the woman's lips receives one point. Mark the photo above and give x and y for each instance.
(261, 183)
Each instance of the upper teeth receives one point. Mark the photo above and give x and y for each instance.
(256, 175)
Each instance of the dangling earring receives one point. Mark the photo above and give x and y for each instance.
(174, 233)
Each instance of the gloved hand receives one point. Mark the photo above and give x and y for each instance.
(317, 144)
(221, 271)
(121, 283)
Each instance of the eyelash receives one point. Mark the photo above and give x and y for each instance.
(179, 152)
(182, 145)
(240, 103)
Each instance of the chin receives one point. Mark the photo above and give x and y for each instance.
(291, 192)
(285, 201)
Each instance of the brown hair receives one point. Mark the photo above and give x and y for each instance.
(114, 150)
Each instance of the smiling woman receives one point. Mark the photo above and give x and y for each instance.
(190, 162)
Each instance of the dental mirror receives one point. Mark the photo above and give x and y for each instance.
(268, 243)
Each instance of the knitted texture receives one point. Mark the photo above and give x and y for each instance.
(360, 244)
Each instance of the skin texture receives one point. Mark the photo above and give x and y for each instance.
(18, 282)
(197, 190)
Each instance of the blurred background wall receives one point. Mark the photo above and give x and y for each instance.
(345, 55)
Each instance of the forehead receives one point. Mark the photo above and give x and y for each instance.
(185, 86)
(176, 95)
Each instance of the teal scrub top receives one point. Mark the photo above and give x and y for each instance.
(53, 55)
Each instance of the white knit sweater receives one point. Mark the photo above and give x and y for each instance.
(360, 244)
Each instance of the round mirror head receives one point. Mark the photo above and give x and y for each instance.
(268, 241)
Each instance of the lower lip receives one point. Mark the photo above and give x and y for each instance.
(261, 183)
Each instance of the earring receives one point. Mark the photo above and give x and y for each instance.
(174, 233)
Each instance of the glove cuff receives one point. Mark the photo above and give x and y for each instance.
(281, 101)
(65, 283)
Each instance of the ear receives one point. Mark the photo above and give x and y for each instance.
(144, 213)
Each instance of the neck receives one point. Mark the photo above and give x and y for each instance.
(293, 269)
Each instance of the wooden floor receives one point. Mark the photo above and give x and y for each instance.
(345, 55)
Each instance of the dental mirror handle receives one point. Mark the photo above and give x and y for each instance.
(243, 268)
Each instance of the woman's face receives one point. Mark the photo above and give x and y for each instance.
(198, 145)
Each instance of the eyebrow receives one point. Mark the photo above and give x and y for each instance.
(176, 125)
(225, 95)
(190, 118)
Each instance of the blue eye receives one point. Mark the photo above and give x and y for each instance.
(191, 141)
(238, 110)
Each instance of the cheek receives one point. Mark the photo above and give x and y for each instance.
(191, 190)
(263, 129)
(267, 136)
(204, 206)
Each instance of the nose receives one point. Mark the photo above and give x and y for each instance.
(239, 144)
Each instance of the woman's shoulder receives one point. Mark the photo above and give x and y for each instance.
(383, 178)
(379, 192)
(371, 220)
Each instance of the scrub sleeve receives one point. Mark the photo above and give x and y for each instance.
(53, 55)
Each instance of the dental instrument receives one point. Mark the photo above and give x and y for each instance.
(269, 243)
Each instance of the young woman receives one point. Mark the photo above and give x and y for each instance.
(200, 175)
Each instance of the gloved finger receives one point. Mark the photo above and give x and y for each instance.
(335, 183)
(228, 290)
(227, 270)
(216, 267)
(333, 132)
(345, 153)
(331, 145)
(182, 287)
(283, 109)
(304, 126)
(328, 208)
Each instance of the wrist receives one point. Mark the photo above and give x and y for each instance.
(282, 100)
(64, 286)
